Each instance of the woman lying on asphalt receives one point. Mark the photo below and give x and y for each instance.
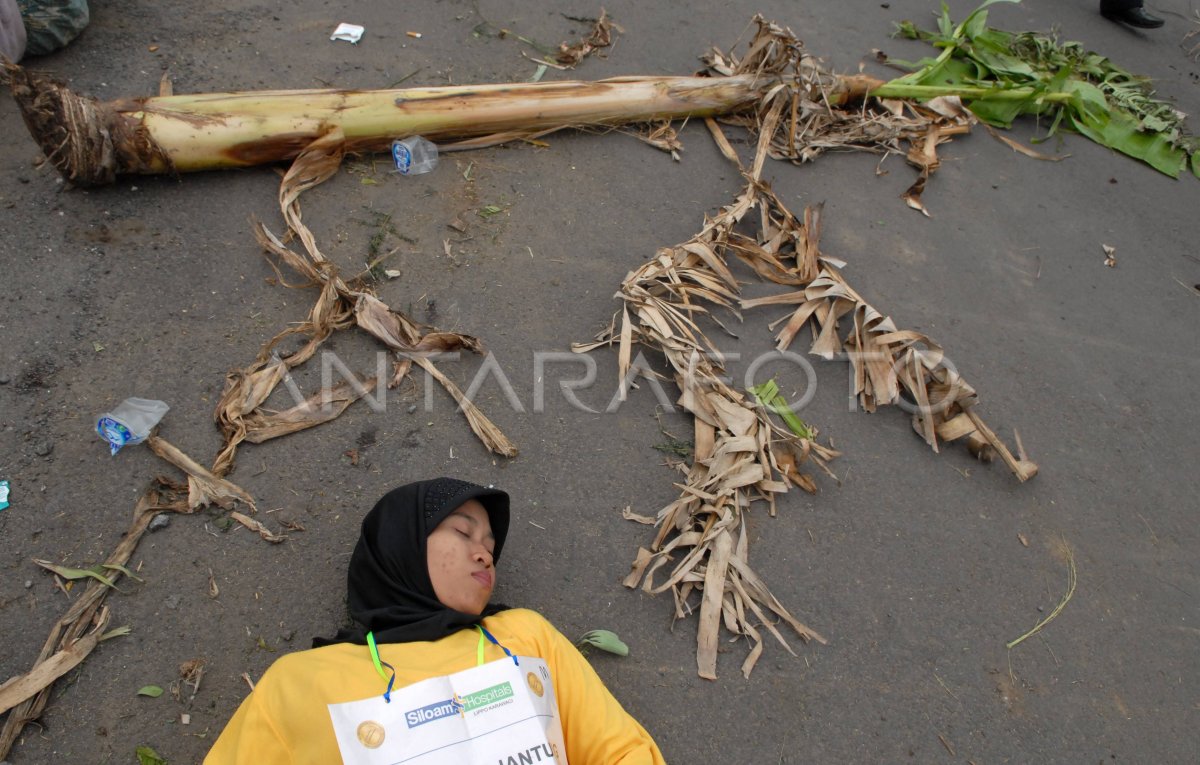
(435, 672)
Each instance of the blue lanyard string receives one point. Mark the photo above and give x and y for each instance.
(484, 633)
(391, 681)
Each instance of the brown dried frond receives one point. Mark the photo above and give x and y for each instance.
(338, 306)
(600, 36)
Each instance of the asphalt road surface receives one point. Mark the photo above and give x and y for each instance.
(918, 566)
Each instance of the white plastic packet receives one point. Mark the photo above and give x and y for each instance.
(351, 33)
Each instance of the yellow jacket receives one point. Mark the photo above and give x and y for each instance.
(286, 720)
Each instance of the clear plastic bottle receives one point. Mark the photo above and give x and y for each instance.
(130, 422)
(414, 155)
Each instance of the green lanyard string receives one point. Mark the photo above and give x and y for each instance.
(379, 665)
(479, 647)
(484, 638)
(479, 651)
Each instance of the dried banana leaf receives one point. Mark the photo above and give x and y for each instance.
(71, 637)
(239, 413)
(204, 488)
(741, 456)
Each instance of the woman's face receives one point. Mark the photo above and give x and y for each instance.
(459, 553)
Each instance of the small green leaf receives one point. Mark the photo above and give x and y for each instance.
(122, 569)
(76, 573)
(147, 756)
(489, 211)
(116, 632)
(975, 25)
(768, 395)
(605, 640)
(368, 181)
(153, 691)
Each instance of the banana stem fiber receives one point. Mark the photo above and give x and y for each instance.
(92, 142)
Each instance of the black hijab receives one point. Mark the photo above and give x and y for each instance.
(388, 586)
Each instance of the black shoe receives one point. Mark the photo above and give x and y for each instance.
(1134, 17)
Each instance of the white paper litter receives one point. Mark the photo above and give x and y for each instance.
(351, 33)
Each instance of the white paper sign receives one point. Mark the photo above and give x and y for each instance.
(499, 712)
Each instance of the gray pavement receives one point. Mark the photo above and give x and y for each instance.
(913, 566)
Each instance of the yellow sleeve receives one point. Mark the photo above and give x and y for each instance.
(251, 737)
(597, 729)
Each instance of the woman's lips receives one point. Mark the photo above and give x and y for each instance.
(483, 577)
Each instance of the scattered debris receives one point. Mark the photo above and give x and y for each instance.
(71, 574)
(26, 689)
(675, 447)
(339, 307)
(204, 488)
(768, 395)
(1002, 75)
(1066, 598)
(130, 422)
(3, 495)
(1110, 256)
(351, 33)
(153, 691)
(629, 515)
(414, 35)
(414, 155)
(734, 442)
(605, 640)
(254, 525)
(81, 628)
(1021, 148)
(147, 756)
(213, 589)
(738, 451)
(663, 136)
(161, 521)
(487, 29)
(946, 744)
(599, 37)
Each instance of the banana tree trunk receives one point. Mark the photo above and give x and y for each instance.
(92, 142)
